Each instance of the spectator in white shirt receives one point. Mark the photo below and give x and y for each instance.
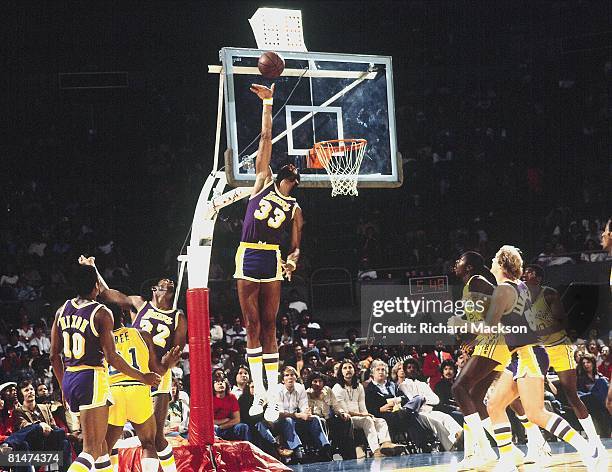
(295, 418)
(351, 397)
(40, 339)
(447, 430)
(25, 330)
(237, 331)
(241, 379)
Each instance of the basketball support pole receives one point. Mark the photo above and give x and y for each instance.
(197, 263)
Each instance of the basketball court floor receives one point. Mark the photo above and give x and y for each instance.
(564, 459)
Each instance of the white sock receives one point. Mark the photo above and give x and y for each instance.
(103, 464)
(114, 458)
(83, 463)
(166, 459)
(534, 435)
(589, 429)
(561, 428)
(468, 441)
(149, 464)
(254, 356)
(488, 426)
(475, 424)
(270, 363)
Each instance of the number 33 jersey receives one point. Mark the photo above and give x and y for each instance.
(267, 215)
(161, 324)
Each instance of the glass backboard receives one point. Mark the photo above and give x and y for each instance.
(319, 96)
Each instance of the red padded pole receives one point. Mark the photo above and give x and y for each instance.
(201, 431)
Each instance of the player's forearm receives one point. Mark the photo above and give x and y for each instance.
(58, 367)
(229, 424)
(103, 283)
(122, 366)
(117, 298)
(264, 153)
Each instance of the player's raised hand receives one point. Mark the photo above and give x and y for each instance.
(151, 378)
(172, 357)
(91, 260)
(262, 91)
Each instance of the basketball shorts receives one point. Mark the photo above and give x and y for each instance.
(132, 403)
(165, 386)
(562, 356)
(258, 262)
(492, 348)
(86, 387)
(528, 361)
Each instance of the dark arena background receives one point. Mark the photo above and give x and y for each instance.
(109, 120)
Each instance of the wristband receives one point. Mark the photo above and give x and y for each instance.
(268, 101)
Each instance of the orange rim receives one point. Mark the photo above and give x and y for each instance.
(333, 146)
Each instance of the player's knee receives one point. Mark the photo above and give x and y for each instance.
(497, 403)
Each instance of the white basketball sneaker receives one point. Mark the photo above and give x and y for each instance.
(259, 401)
(273, 410)
(505, 466)
(540, 454)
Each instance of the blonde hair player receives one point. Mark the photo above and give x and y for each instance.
(259, 268)
(524, 376)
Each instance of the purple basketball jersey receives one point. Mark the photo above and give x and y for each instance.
(160, 323)
(81, 342)
(267, 215)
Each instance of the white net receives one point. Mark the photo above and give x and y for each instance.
(342, 159)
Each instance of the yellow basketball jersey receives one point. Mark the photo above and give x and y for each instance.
(135, 352)
(541, 317)
(480, 303)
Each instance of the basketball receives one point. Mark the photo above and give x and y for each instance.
(271, 65)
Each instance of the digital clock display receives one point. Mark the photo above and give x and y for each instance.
(425, 285)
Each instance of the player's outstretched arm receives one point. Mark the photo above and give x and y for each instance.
(104, 324)
(110, 295)
(264, 153)
(57, 345)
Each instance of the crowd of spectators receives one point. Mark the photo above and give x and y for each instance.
(350, 399)
(485, 154)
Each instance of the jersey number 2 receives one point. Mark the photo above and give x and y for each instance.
(162, 332)
(265, 207)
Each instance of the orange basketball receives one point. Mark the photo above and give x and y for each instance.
(271, 65)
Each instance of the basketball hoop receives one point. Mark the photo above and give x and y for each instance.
(341, 158)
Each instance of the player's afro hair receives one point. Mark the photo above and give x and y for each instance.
(84, 278)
